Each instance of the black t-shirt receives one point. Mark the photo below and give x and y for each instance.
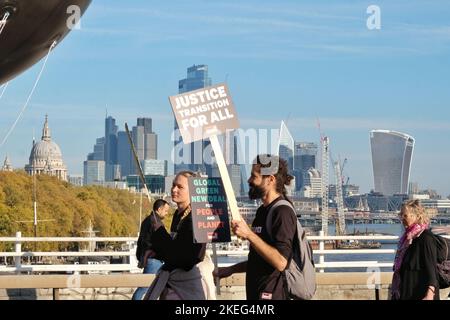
(263, 280)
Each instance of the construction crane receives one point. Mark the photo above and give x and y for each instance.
(325, 141)
(325, 144)
(340, 222)
(342, 171)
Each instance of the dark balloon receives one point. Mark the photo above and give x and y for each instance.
(31, 28)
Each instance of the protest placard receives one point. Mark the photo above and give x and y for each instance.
(205, 113)
(209, 210)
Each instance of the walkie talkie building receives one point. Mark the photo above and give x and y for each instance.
(391, 160)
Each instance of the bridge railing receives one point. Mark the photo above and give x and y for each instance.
(322, 252)
(129, 262)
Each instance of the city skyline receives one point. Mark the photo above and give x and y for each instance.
(113, 153)
(295, 62)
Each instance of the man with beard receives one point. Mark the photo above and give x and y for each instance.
(270, 250)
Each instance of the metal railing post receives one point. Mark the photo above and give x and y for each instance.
(56, 294)
(321, 247)
(18, 250)
(132, 254)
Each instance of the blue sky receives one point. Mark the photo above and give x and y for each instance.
(283, 60)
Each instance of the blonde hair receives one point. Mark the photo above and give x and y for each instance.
(414, 207)
(187, 174)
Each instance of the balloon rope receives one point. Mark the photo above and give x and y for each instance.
(3, 21)
(2, 25)
(4, 89)
(29, 97)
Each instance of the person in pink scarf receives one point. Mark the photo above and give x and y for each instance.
(415, 273)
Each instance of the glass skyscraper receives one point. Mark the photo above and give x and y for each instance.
(286, 146)
(110, 147)
(99, 150)
(145, 142)
(94, 172)
(197, 78)
(391, 159)
(124, 154)
(305, 155)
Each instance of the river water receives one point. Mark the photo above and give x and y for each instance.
(386, 229)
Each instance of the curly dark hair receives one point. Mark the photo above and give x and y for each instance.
(277, 167)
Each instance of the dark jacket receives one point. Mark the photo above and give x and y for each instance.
(144, 241)
(180, 251)
(418, 269)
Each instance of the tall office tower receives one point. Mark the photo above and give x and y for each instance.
(145, 141)
(286, 146)
(138, 137)
(110, 147)
(391, 159)
(236, 170)
(197, 78)
(146, 123)
(305, 154)
(124, 154)
(238, 158)
(99, 150)
(151, 146)
(150, 139)
(94, 172)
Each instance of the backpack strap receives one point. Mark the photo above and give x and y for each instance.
(269, 221)
(269, 218)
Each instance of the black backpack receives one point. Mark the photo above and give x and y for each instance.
(443, 261)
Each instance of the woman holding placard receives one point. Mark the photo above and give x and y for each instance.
(182, 277)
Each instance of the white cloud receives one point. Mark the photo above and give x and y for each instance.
(351, 124)
(311, 31)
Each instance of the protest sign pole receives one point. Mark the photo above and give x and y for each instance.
(228, 191)
(225, 178)
(138, 165)
(216, 267)
(211, 111)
